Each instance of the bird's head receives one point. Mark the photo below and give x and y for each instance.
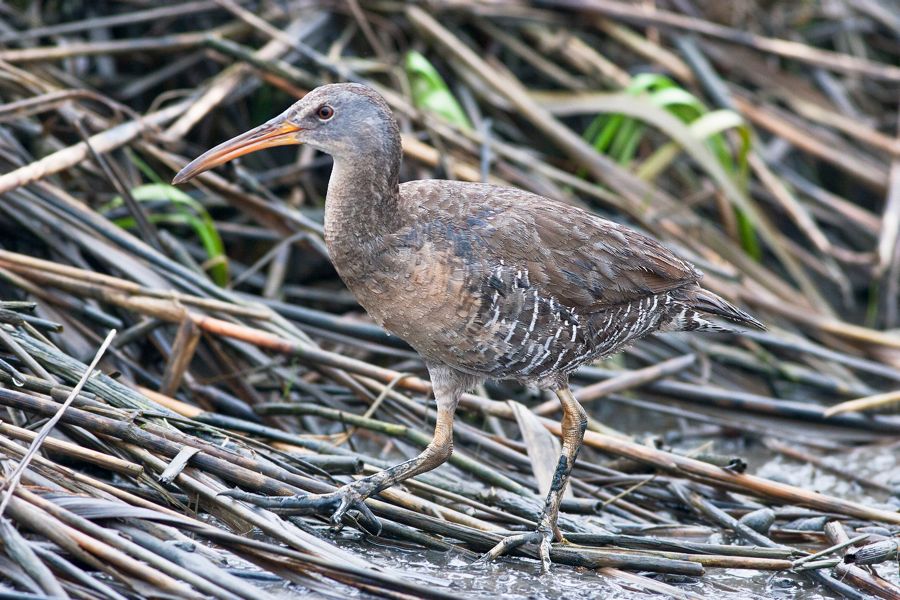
(344, 120)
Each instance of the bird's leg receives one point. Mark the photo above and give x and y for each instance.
(574, 423)
(353, 495)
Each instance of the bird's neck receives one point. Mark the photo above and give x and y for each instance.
(361, 206)
(362, 197)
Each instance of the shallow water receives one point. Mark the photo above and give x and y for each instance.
(519, 578)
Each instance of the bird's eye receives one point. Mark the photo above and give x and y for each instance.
(325, 112)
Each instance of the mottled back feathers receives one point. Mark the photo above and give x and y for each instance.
(586, 260)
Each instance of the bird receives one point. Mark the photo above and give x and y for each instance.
(483, 281)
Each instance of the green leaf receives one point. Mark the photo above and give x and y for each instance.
(184, 211)
(677, 97)
(619, 136)
(708, 127)
(430, 92)
(627, 140)
(646, 82)
(731, 181)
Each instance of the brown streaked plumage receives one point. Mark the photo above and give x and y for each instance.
(483, 281)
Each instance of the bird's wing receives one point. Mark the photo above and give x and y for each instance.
(585, 262)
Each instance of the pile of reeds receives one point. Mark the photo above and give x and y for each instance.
(758, 139)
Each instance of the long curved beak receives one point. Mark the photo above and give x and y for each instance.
(277, 132)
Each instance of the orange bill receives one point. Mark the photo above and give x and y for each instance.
(277, 132)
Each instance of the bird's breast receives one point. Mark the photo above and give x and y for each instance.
(487, 320)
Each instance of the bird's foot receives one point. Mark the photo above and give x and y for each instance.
(542, 536)
(338, 503)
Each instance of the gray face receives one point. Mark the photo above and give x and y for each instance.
(351, 122)
(342, 119)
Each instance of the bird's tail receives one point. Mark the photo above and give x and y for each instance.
(699, 304)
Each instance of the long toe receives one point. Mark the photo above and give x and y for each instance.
(350, 499)
(335, 504)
